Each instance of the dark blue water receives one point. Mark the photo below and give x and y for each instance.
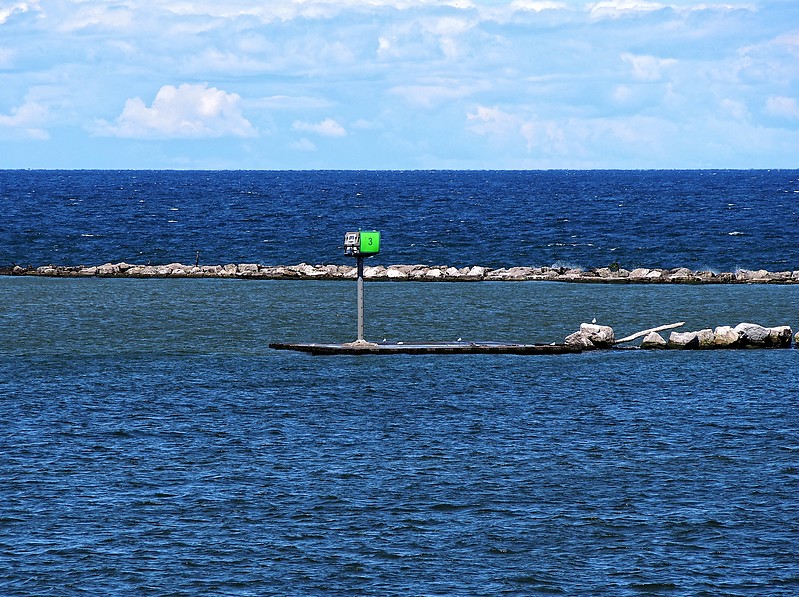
(718, 220)
(153, 445)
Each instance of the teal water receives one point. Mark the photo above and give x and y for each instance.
(154, 445)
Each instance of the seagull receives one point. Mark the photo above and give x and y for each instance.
(593, 320)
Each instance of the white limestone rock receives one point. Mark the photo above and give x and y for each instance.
(780, 336)
(752, 334)
(591, 336)
(477, 271)
(725, 337)
(579, 340)
(601, 336)
(653, 340)
(706, 338)
(681, 274)
(683, 340)
(396, 274)
(374, 272)
(434, 273)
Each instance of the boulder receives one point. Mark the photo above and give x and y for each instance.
(725, 337)
(653, 340)
(579, 340)
(518, 273)
(574, 272)
(752, 334)
(683, 340)
(434, 273)
(681, 274)
(705, 275)
(780, 337)
(639, 273)
(396, 274)
(706, 338)
(602, 336)
(374, 272)
(745, 275)
(591, 336)
(477, 271)
(107, 269)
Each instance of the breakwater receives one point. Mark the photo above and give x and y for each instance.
(744, 335)
(417, 273)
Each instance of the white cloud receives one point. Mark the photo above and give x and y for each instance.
(303, 144)
(493, 121)
(785, 107)
(734, 108)
(7, 9)
(185, 112)
(571, 140)
(538, 134)
(615, 8)
(540, 76)
(428, 95)
(327, 128)
(647, 68)
(110, 16)
(27, 120)
(536, 5)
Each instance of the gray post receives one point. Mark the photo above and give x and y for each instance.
(360, 299)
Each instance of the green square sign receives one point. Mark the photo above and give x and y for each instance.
(370, 242)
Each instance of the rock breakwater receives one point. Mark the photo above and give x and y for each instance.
(743, 335)
(417, 273)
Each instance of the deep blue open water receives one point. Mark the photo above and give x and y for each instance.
(152, 444)
(718, 220)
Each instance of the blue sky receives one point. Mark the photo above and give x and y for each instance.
(399, 84)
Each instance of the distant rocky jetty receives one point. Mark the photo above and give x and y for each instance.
(420, 273)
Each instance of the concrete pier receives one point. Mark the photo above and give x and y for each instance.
(369, 348)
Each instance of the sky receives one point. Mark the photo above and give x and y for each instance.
(399, 84)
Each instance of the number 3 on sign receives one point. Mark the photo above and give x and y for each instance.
(370, 242)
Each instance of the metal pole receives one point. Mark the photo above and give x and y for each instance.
(360, 299)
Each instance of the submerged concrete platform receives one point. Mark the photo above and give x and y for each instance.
(425, 348)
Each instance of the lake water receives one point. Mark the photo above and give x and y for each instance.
(153, 445)
(717, 220)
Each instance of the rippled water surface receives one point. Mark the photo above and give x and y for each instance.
(153, 445)
(719, 220)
